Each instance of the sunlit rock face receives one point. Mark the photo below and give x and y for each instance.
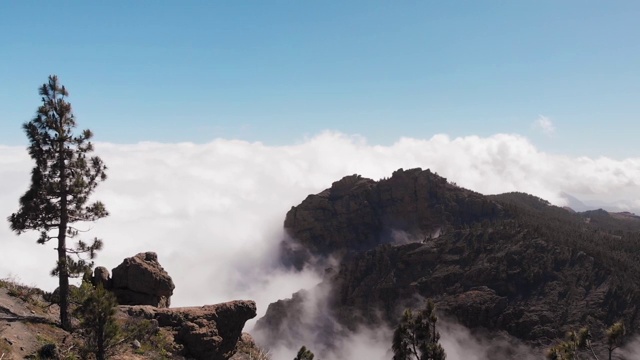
(141, 280)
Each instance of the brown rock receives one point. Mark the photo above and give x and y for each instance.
(140, 280)
(209, 332)
(102, 277)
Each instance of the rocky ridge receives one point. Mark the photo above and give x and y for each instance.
(28, 323)
(358, 214)
(207, 332)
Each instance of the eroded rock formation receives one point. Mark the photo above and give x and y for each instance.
(101, 276)
(140, 280)
(208, 332)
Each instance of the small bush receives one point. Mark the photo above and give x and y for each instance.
(253, 351)
(98, 322)
(5, 350)
(48, 351)
(154, 341)
(17, 289)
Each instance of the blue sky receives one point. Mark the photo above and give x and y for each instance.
(195, 76)
(277, 71)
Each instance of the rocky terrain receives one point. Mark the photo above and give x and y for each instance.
(206, 332)
(510, 262)
(29, 319)
(357, 214)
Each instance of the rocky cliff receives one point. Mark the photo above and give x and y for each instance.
(208, 332)
(510, 262)
(358, 214)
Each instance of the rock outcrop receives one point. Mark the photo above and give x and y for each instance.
(101, 276)
(140, 280)
(208, 332)
(359, 214)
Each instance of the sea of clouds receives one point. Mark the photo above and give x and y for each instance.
(213, 212)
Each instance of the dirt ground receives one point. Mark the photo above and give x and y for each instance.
(28, 322)
(25, 326)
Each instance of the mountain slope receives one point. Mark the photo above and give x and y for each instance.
(508, 262)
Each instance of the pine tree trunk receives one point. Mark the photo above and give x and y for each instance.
(65, 322)
(63, 274)
(100, 355)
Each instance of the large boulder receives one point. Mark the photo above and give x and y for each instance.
(140, 280)
(208, 332)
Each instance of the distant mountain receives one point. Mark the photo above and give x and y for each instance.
(509, 262)
(575, 204)
(582, 206)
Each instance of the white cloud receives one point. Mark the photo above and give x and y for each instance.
(631, 350)
(545, 124)
(460, 343)
(328, 340)
(214, 212)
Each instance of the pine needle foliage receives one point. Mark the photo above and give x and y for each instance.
(615, 335)
(304, 354)
(416, 337)
(64, 177)
(98, 323)
(575, 342)
(580, 342)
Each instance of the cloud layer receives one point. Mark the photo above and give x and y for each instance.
(213, 212)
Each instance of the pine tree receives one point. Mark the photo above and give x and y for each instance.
(304, 354)
(97, 315)
(615, 334)
(581, 341)
(416, 336)
(571, 347)
(62, 180)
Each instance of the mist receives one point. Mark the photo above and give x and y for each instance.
(311, 323)
(213, 212)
